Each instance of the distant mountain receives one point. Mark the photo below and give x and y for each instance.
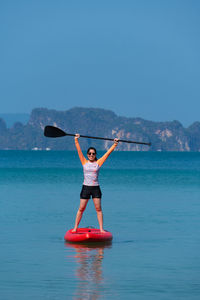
(12, 118)
(164, 136)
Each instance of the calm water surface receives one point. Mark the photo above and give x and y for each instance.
(151, 204)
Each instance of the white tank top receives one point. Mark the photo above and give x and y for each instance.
(91, 173)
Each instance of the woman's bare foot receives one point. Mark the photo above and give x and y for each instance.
(74, 230)
(102, 231)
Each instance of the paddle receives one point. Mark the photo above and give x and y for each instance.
(54, 132)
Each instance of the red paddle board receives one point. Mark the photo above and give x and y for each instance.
(85, 235)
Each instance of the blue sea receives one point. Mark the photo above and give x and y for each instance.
(151, 204)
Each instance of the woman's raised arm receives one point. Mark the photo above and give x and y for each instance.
(101, 160)
(80, 153)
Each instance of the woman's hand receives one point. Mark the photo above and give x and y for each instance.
(116, 141)
(77, 136)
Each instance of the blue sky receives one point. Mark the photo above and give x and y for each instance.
(137, 58)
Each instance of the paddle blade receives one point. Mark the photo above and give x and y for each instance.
(51, 131)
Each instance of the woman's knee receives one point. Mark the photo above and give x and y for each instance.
(97, 204)
(83, 205)
(98, 208)
(82, 208)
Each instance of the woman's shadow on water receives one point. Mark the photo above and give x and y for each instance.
(88, 273)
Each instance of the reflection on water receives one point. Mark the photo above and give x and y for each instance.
(88, 272)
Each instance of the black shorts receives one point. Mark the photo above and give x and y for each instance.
(88, 191)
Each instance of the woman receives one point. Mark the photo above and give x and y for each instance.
(90, 186)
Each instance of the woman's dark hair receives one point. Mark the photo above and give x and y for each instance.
(92, 148)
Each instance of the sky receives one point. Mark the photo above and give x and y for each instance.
(137, 58)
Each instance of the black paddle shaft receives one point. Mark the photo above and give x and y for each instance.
(54, 132)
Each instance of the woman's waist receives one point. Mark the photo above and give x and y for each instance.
(90, 186)
(91, 182)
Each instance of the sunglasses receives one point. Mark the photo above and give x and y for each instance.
(91, 153)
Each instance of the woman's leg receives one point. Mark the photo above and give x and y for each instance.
(97, 204)
(83, 204)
